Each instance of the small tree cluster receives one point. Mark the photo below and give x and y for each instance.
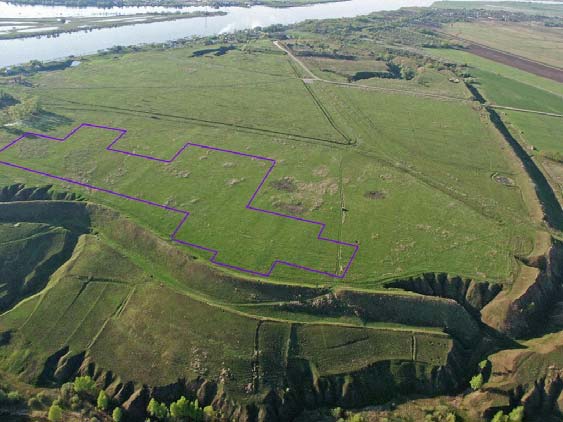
(482, 375)
(180, 410)
(516, 415)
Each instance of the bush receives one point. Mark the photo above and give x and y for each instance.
(476, 382)
(103, 400)
(157, 410)
(117, 414)
(517, 414)
(85, 386)
(183, 408)
(75, 402)
(55, 413)
(209, 412)
(66, 393)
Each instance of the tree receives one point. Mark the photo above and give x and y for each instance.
(517, 414)
(500, 417)
(476, 382)
(181, 408)
(209, 412)
(157, 410)
(85, 385)
(184, 409)
(117, 414)
(66, 392)
(103, 400)
(55, 413)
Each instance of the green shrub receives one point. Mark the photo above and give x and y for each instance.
(157, 410)
(103, 400)
(117, 414)
(476, 382)
(66, 393)
(85, 386)
(75, 402)
(500, 417)
(183, 408)
(517, 414)
(55, 413)
(209, 412)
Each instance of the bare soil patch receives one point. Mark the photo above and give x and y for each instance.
(518, 62)
(285, 184)
(375, 195)
(503, 180)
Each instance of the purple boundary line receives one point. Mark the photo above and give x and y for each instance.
(186, 214)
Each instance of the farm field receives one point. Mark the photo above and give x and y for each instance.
(534, 42)
(506, 86)
(466, 58)
(544, 9)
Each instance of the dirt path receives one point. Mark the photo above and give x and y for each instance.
(312, 77)
(525, 110)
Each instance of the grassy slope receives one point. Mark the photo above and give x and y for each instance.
(531, 41)
(116, 311)
(28, 254)
(449, 215)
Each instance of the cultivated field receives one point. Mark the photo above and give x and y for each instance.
(531, 41)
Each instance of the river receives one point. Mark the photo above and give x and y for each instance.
(45, 48)
(78, 43)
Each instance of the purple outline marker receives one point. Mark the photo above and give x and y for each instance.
(111, 147)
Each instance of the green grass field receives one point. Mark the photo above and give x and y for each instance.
(507, 86)
(416, 184)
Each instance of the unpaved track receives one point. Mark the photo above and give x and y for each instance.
(312, 77)
(525, 110)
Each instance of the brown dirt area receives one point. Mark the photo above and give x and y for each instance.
(521, 63)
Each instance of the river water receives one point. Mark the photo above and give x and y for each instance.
(78, 43)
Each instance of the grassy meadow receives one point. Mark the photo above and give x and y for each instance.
(408, 178)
